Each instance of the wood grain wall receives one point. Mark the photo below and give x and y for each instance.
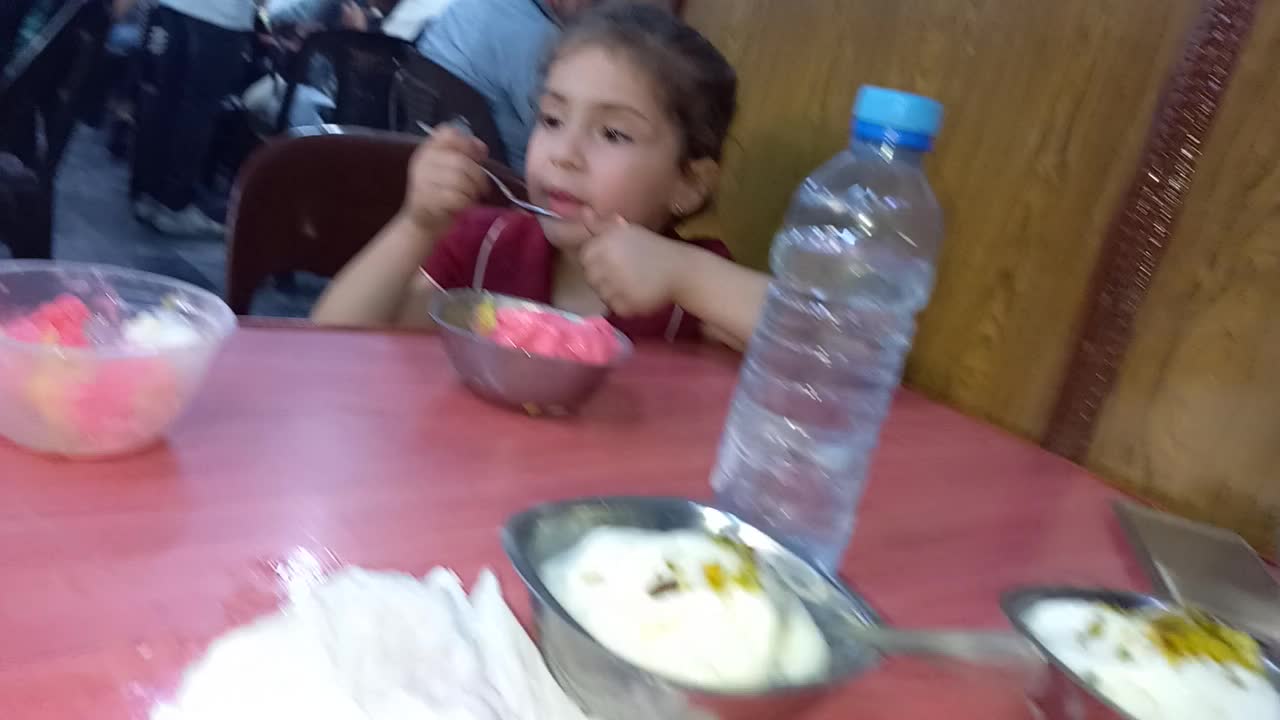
(1047, 107)
(1194, 419)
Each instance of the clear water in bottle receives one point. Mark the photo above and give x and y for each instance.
(853, 264)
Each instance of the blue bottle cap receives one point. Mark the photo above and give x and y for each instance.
(905, 119)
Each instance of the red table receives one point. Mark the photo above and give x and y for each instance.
(114, 574)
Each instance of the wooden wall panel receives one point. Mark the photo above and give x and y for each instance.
(1194, 419)
(1047, 107)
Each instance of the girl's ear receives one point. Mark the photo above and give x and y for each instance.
(697, 183)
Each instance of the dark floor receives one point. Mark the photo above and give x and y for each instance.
(93, 223)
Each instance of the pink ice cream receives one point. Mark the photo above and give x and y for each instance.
(60, 322)
(592, 341)
(86, 401)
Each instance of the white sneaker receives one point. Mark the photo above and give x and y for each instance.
(188, 221)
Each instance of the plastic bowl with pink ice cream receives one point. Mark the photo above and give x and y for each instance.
(98, 361)
(524, 354)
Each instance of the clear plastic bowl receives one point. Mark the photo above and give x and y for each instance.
(109, 399)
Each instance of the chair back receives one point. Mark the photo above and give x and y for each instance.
(424, 92)
(311, 203)
(12, 15)
(46, 77)
(40, 90)
(358, 66)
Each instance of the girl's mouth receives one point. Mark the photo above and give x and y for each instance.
(564, 204)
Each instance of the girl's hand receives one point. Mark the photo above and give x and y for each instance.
(633, 270)
(444, 178)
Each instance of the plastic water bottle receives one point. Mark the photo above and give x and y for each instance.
(853, 264)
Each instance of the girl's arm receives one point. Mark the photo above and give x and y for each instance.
(636, 271)
(383, 285)
(727, 296)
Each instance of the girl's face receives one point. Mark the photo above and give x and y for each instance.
(604, 142)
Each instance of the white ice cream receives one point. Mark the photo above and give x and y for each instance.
(1117, 654)
(159, 330)
(679, 604)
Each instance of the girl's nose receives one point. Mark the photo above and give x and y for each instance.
(567, 153)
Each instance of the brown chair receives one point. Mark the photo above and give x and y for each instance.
(311, 202)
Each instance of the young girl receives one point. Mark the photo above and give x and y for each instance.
(632, 122)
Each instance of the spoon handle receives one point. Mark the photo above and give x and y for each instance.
(493, 170)
(977, 647)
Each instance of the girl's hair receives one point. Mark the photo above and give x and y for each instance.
(699, 86)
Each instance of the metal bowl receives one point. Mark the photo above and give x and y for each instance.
(512, 377)
(606, 686)
(1061, 694)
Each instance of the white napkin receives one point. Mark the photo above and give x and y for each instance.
(366, 645)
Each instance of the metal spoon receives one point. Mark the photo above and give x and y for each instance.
(967, 646)
(989, 648)
(502, 187)
(1207, 567)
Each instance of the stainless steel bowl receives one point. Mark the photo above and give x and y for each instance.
(1061, 694)
(507, 376)
(611, 688)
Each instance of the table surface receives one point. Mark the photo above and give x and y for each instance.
(362, 448)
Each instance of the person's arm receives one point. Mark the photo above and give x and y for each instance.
(725, 295)
(384, 284)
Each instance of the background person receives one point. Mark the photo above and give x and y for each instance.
(196, 54)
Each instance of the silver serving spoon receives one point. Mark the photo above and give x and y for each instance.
(980, 647)
(967, 646)
(1203, 566)
(502, 186)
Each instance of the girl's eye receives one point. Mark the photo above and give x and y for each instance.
(549, 121)
(614, 135)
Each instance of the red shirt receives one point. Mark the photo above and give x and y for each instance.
(506, 252)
